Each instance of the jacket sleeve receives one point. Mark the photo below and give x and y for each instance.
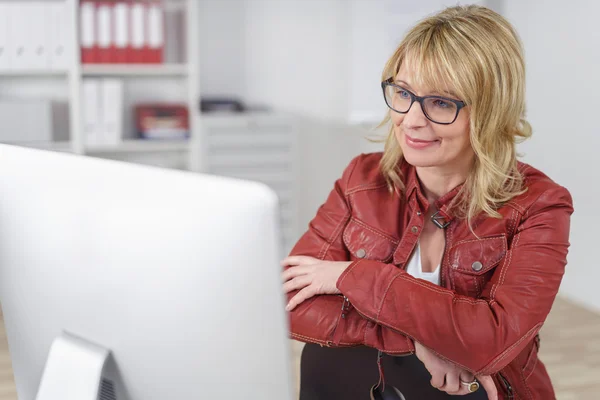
(329, 319)
(481, 335)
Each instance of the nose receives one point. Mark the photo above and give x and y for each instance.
(415, 118)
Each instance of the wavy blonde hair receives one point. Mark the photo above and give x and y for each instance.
(478, 52)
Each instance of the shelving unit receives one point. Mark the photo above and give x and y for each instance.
(256, 146)
(77, 72)
(7, 74)
(135, 70)
(65, 147)
(140, 146)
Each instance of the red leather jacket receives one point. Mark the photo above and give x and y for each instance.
(496, 289)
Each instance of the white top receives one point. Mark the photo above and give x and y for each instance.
(415, 269)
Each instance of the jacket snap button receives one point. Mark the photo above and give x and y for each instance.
(477, 266)
(414, 229)
(418, 212)
(361, 253)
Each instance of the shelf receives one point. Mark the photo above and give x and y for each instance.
(140, 146)
(33, 73)
(134, 70)
(55, 146)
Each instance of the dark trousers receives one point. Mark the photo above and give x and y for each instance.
(348, 374)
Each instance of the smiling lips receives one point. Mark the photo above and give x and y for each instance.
(419, 143)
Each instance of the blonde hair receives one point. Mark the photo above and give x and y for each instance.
(479, 53)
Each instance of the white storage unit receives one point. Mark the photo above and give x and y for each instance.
(150, 82)
(260, 147)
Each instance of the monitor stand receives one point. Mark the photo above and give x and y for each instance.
(74, 371)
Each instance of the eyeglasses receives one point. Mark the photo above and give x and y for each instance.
(381, 391)
(440, 110)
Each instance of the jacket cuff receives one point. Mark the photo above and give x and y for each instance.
(366, 283)
(357, 286)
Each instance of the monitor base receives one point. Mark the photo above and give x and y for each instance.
(73, 370)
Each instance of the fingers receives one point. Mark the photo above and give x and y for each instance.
(298, 260)
(461, 390)
(466, 376)
(302, 295)
(296, 283)
(438, 380)
(488, 384)
(452, 383)
(293, 272)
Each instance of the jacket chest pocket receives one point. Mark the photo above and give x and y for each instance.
(363, 241)
(472, 263)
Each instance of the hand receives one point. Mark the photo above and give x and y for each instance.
(311, 276)
(446, 376)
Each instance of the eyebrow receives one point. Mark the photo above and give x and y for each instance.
(451, 94)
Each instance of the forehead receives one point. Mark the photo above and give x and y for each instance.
(426, 75)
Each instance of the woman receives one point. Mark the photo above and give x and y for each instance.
(444, 248)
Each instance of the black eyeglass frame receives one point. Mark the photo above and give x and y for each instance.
(420, 100)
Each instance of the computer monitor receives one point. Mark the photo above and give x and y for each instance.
(158, 284)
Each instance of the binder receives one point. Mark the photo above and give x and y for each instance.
(88, 32)
(58, 32)
(90, 96)
(37, 39)
(138, 32)
(104, 21)
(111, 111)
(121, 29)
(156, 33)
(4, 36)
(17, 36)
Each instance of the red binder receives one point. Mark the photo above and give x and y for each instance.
(88, 33)
(105, 29)
(122, 28)
(155, 42)
(138, 36)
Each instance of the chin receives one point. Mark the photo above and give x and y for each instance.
(420, 160)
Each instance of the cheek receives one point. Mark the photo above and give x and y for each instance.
(396, 118)
(458, 140)
(397, 127)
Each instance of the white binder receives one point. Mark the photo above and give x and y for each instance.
(90, 98)
(17, 35)
(111, 97)
(4, 36)
(59, 29)
(37, 39)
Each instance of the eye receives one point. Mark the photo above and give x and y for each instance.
(403, 93)
(441, 103)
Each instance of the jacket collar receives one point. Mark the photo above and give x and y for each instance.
(416, 198)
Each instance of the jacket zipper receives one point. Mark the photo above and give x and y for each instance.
(442, 269)
(336, 337)
(339, 329)
(507, 386)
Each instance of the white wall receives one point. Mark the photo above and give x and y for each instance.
(296, 56)
(222, 47)
(562, 49)
(295, 61)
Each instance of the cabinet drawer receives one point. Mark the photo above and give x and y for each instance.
(232, 160)
(240, 139)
